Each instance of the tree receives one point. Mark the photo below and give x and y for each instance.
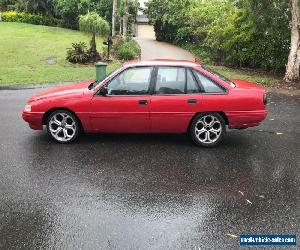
(70, 10)
(93, 24)
(43, 7)
(125, 18)
(169, 19)
(114, 14)
(127, 13)
(6, 4)
(292, 68)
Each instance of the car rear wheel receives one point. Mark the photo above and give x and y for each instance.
(208, 129)
(63, 126)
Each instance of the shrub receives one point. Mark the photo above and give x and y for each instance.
(126, 49)
(78, 53)
(201, 53)
(22, 17)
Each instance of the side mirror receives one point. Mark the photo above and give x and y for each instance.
(103, 91)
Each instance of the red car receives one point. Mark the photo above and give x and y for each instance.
(159, 96)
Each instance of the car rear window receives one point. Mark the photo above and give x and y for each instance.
(224, 78)
(209, 85)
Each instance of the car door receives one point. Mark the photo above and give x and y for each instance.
(175, 100)
(125, 106)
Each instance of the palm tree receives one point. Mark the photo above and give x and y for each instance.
(93, 24)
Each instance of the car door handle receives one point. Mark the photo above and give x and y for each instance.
(192, 101)
(143, 102)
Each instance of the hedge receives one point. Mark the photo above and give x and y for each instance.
(22, 17)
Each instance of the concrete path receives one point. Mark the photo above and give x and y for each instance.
(152, 49)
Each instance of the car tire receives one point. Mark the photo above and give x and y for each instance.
(208, 129)
(63, 126)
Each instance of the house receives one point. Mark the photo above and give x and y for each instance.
(143, 29)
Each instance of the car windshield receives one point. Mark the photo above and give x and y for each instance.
(224, 78)
(97, 82)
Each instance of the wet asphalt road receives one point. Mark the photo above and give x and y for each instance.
(147, 191)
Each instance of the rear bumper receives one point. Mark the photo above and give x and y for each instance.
(35, 120)
(245, 119)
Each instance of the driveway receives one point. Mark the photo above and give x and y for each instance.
(147, 191)
(151, 49)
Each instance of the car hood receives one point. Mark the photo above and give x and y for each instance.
(65, 92)
(246, 84)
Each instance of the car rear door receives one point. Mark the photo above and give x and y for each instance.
(175, 100)
(125, 107)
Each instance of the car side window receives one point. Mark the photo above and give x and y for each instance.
(133, 81)
(209, 85)
(191, 84)
(170, 80)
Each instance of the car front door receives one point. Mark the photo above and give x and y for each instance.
(125, 106)
(175, 100)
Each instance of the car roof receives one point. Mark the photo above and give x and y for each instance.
(161, 62)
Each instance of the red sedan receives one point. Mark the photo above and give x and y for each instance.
(159, 96)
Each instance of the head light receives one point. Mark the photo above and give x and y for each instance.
(27, 108)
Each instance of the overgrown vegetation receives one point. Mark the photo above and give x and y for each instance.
(237, 33)
(248, 33)
(126, 49)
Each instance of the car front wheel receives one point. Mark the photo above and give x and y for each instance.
(208, 129)
(63, 126)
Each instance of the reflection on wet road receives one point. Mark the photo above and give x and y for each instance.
(147, 191)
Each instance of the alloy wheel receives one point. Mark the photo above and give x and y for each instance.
(208, 129)
(62, 127)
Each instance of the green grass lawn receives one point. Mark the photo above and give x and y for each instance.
(31, 54)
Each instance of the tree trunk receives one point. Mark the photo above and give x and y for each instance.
(125, 18)
(114, 14)
(121, 26)
(93, 44)
(293, 66)
(94, 55)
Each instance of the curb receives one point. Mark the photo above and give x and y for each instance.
(288, 92)
(38, 86)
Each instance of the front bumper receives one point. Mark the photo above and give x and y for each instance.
(34, 119)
